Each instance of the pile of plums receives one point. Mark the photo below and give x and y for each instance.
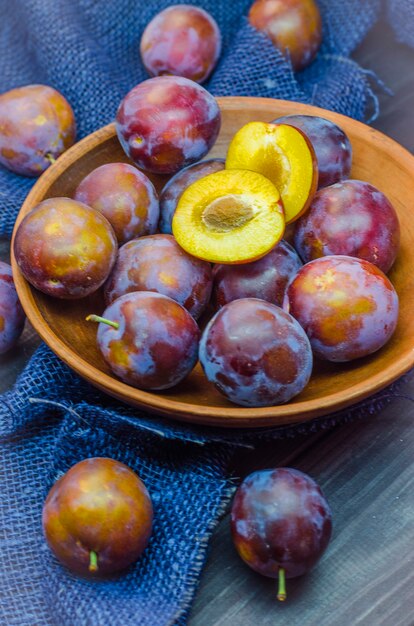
(211, 249)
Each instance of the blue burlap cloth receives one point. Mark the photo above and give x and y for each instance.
(88, 50)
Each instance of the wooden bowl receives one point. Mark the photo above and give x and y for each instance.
(377, 160)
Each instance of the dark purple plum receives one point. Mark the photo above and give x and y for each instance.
(182, 40)
(97, 518)
(347, 306)
(281, 523)
(12, 316)
(266, 278)
(172, 191)
(157, 263)
(125, 196)
(352, 218)
(255, 353)
(166, 123)
(332, 147)
(148, 340)
(65, 248)
(37, 124)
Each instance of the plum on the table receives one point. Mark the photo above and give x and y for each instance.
(294, 27)
(12, 316)
(347, 306)
(266, 278)
(65, 248)
(332, 146)
(166, 123)
(352, 218)
(281, 523)
(125, 196)
(255, 353)
(157, 263)
(37, 125)
(97, 518)
(182, 40)
(148, 340)
(172, 191)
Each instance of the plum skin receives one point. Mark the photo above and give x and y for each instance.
(12, 316)
(172, 191)
(352, 218)
(182, 40)
(65, 248)
(347, 307)
(266, 279)
(37, 125)
(333, 149)
(125, 196)
(255, 353)
(294, 26)
(99, 505)
(156, 343)
(157, 263)
(280, 519)
(166, 123)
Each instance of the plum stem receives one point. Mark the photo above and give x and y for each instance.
(93, 561)
(281, 593)
(50, 158)
(104, 320)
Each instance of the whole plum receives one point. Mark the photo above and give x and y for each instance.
(294, 27)
(332, 147)
(266, 279)
(97, 518)
(12, 316)
(157, 263)
(351, 218)
(281, 523)
(125, 196)
(172, 191)
(37, 124)
(347, 306)
(255, 353)
(182, 40)
(166, 123)
(148, 340)
(65, 248)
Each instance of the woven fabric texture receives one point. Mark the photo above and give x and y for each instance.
(88, 50)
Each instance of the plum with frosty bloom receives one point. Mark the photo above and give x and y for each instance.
(332, 147)
(352, 218)
(266, 278)
(166, 123)
(12, 316)
(125, 196)
(182, 40)
(171, 193)
(148, 340)
(347, 307)
(37, 125)
(255, 353)
(157, 263)
(281, 523)
(65, 248)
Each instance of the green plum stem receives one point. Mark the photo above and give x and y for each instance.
(93, 561)
(50, 158)
(104, 320)
(281, 593)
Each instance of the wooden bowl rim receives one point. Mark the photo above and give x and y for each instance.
(231, 416)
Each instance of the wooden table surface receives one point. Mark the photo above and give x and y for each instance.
(365, 468)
